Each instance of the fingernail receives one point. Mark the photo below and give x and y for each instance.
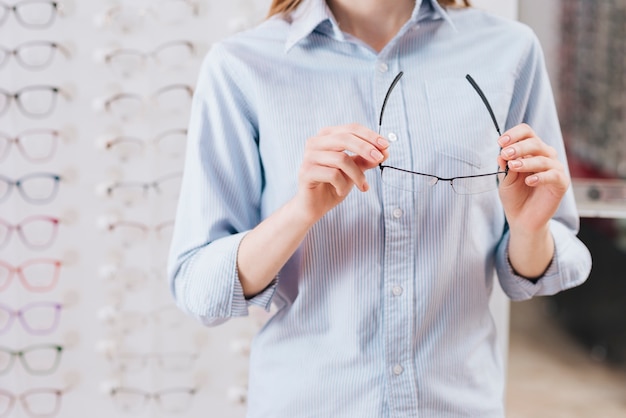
(376, 155)
(508, 152)
(532, 180)
(365, 187)
(515, 164)
(504, 140)
(382, 142)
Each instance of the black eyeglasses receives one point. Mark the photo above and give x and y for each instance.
(417, 182)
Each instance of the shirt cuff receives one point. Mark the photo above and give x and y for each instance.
(208, 286)
(569, 267)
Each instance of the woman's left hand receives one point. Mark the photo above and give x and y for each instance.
(536, 182)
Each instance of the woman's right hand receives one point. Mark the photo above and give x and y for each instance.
(335, 160)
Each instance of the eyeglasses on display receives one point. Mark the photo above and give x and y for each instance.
(129, 192)
(169, 144)
(33, 55)
(169, 100)
(32, 14)
(129, 278)
(126, 17)
(37, 318)
(40, 359)
(129, 321)
(127, 62)
(35, 145)
(36, 403)
(173, 362)
(173, 401)
(131, 232)
(33, 101)
(36, 275)
(37, 232)
(36, 188)
(417, 182)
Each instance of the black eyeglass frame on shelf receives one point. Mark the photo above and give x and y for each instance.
(437, 179)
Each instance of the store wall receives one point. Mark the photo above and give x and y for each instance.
(82, 286)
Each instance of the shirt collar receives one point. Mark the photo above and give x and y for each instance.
(311, 14)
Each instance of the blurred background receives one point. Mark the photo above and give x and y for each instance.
(94, 100)
(567, 353)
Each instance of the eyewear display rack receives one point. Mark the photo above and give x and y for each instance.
(593, 114)
(94, 104)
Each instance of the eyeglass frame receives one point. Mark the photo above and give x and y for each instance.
(155, 395)
(10, 96)
(110, 143)
(19, 314)
(22, 397)
(471, 80)
(119, 361)
(110, 17)
(54, 46)
(20, 231)
(57, 9)
(21, 354)
(18, 141)
(145, 102)
(19, 271)
(17, 183)
(110, 56)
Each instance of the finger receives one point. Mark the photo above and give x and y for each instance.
(354, 138)
(528, 147)
(367, 164)
(551, 177)
(340, 161)
(326, 175)
(535, 164)
(516, 134)
(366, 134)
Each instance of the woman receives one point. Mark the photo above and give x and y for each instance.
(381, 292)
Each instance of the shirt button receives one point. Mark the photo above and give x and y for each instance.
(392, 137)
(383, 67)
(397, 290)
(397, 370)
(397, 213)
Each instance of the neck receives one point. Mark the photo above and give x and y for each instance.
(375, 22)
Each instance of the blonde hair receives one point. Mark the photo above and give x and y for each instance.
(287, 6)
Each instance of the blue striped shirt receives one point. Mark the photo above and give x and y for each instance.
(383, 310)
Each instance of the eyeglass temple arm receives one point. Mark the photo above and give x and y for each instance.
(488, 106)
(389, 90)
(485, 101)
(382, 109)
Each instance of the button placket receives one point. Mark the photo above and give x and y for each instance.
(399, 310)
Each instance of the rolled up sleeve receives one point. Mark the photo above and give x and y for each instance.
(220, 197)
(533, 103)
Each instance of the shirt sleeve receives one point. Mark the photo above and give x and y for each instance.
(220, 196)
(533, 103)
